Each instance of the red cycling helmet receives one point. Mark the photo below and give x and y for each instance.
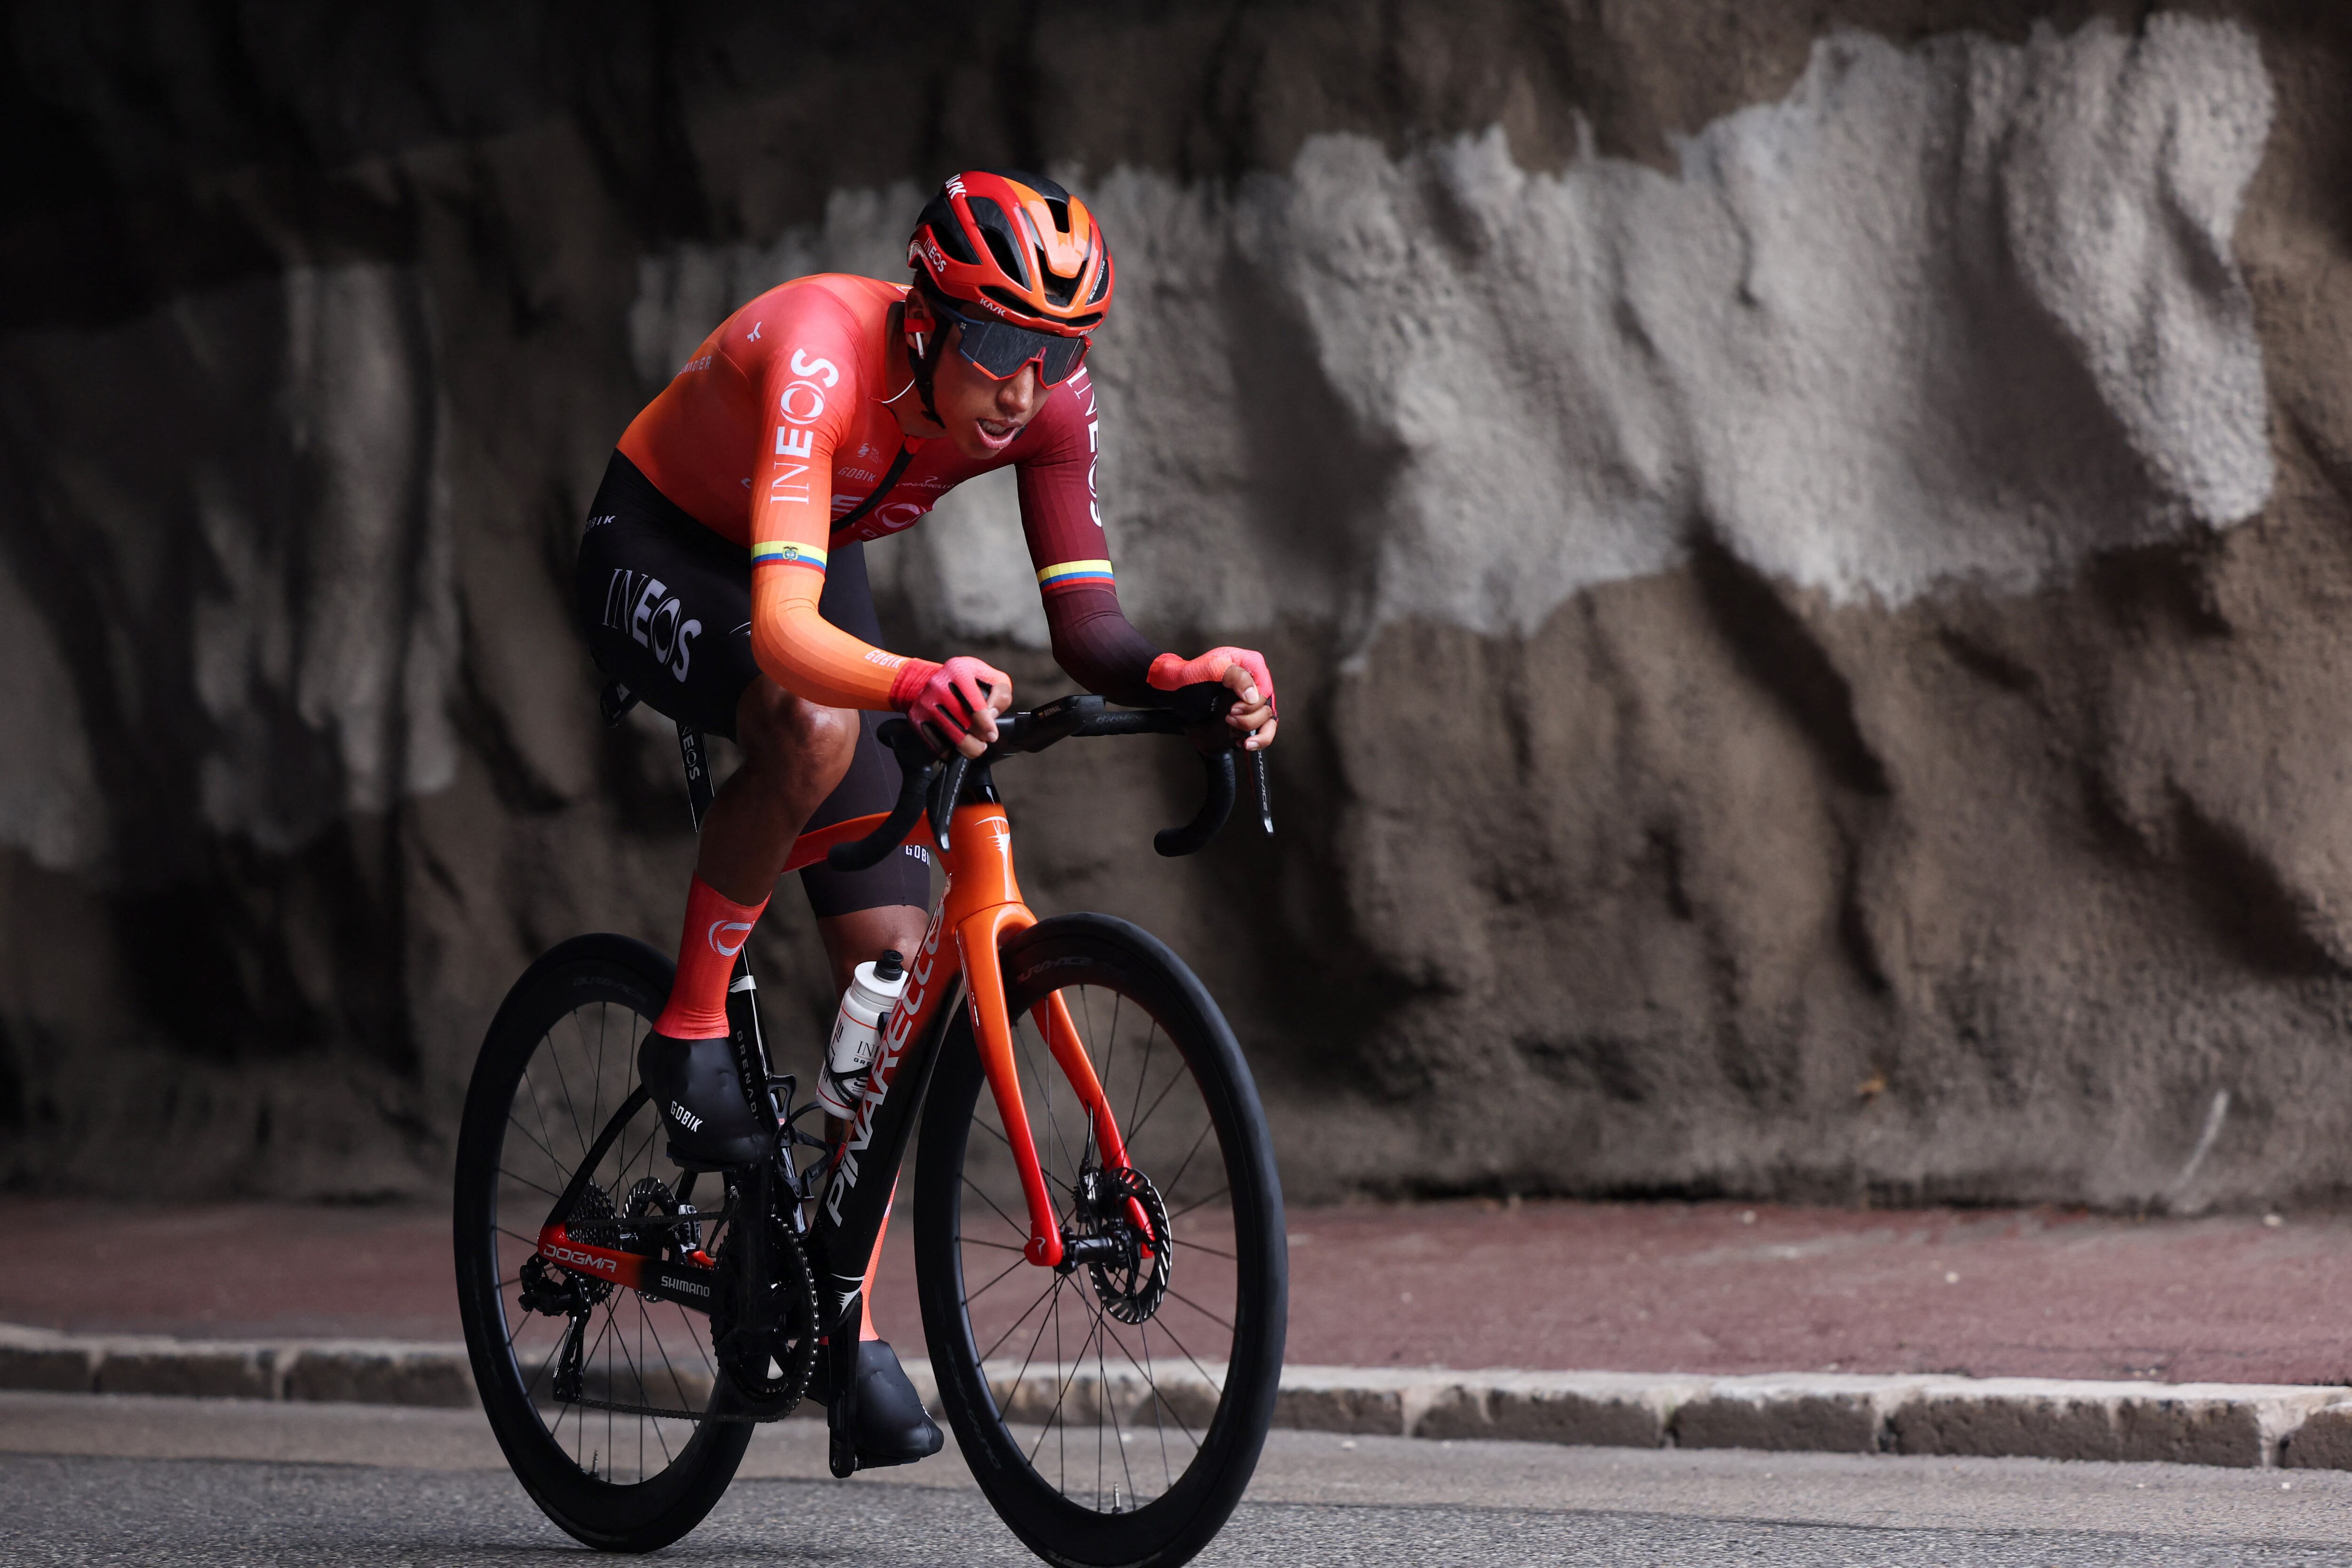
(1018, 248)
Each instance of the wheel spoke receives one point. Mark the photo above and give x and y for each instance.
(1160, 1401)
(1061, 1394)
(1180, 1344)
(1177, 1179)
(527, 1182)
(1107, 1407)
(1018, 1230)
(675, 1387)
(596, 1084)
(1200, 1308)
(571, 1101)
(1176, 1077)
(1110, 1047)
(993, 1284)
(535, 1137)
(1050, 1286)
(1143, 1077)
(1196, 1202)
(546, 1133)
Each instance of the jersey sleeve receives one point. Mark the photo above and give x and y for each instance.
(1094, 641)
(811, 392)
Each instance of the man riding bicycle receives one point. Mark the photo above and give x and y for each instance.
(722, 579)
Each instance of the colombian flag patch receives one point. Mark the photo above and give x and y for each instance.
(1076, 575)
(784, 552)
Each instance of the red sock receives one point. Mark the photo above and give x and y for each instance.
(716, 930)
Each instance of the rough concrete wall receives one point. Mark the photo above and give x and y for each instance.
(1800, 562)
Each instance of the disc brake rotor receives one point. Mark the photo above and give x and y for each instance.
(1133, 1283)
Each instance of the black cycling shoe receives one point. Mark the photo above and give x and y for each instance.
(711, 1121)
(891, 1425)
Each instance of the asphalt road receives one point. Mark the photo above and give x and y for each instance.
(95, 1479)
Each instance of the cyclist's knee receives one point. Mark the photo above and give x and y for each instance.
(802, 748)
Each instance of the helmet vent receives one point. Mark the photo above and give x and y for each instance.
(1102, 283)
(1049, 189)
(1059, 291)
(940, 219)
(1003, 238)
(1060, 211)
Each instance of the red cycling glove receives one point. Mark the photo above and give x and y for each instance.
(947, 696)
(1169, 673)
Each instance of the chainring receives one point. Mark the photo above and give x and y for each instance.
(1131, 1287)
(767, 1353)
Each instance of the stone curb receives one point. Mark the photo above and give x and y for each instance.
(371, 1372)
(2240, 1425)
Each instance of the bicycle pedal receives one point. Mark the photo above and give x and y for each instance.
(841, 1454)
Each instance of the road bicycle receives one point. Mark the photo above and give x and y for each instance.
(1098, 1240)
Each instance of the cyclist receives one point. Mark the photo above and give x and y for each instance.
(722, 579)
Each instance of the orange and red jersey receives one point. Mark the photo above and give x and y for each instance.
(778, 426)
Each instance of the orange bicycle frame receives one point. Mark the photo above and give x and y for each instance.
(980, 909)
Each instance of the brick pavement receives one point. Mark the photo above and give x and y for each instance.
(1714, 1288)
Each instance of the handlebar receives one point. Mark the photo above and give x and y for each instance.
(916, 768)
(928, 782)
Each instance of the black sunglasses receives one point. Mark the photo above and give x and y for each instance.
(998, 349)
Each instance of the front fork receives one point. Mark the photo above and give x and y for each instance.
(982, 937)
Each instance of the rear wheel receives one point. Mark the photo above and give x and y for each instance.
(1113, 1411)
(559, 1065)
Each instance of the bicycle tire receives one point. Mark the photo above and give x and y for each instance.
(1081, 956)
(614, 973)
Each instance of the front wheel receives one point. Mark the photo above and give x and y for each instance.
(1113, 1412)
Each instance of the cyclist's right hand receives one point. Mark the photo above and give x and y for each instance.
(956, 703)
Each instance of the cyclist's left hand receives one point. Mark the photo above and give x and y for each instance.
(1243, 670)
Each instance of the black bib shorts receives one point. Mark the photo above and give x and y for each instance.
(665, 606)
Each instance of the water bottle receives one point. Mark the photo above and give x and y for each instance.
(874, 988)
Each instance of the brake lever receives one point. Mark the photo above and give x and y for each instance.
(1257, 766)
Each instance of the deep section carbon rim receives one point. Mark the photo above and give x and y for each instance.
(1112, 1409)
(595, 1380)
